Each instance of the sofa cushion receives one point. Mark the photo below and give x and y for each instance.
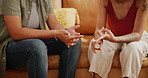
(83, 62)
(87, 11)
(53, 60)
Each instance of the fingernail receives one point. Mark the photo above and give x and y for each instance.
(69, 34)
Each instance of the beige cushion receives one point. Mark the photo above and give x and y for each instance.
(67, 17)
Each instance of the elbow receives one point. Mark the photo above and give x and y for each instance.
(138, 36)
(15, 36)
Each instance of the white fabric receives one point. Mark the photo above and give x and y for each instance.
(131, 57)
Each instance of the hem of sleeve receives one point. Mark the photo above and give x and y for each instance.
(11, 13)
(50, 12)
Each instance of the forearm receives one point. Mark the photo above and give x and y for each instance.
(27, 33)
(96, 36)
(128, 38)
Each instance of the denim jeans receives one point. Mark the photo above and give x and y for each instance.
(33, 54)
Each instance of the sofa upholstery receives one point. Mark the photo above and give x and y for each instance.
(88, 14)
(87, 10)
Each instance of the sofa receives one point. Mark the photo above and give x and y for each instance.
(87, 10)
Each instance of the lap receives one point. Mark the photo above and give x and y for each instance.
(53, 46)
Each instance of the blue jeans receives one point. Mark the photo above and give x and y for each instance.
(33, 54)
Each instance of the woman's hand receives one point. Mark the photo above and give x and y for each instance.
(97, 42)
(108, 35)
(96, 45)
(104, 34)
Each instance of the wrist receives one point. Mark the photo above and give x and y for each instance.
(115, 39)
(96, 37)
(55, 35)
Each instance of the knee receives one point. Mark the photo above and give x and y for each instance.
(37, 48)
(76, 48)
(132, 48)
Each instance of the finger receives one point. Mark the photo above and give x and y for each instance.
(75, 37)
(100, 31)
(73, 41)
(76, 40)
(93, 40)
(66, 33)
(75, 27)
(68, 45)
(71, 44)
(92, 46)
(107, 31)
(94, 51)
(101, 44)
(101, 38)
(98, 41)
(77, 34)
(99, 49)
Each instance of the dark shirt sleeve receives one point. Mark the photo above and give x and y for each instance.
(10, 7)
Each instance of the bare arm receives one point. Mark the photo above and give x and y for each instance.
(18, 32)
(101, 22)
(53, 24)
(140, 23)
(101, 19)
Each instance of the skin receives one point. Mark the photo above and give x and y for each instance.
(17, 32)
(121, 8)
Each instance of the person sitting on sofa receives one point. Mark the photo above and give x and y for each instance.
(29, 44)
(126, 20)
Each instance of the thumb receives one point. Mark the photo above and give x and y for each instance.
(108, 31)
(66, 33)
(75, 27)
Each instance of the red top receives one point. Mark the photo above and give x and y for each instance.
(124, 26)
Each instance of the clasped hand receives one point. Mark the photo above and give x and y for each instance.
(104, 34)
(69, 36)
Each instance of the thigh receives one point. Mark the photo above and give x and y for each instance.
(108, 49)
(110, 46)
(139, 47)
(18, 51)
(54, 46)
